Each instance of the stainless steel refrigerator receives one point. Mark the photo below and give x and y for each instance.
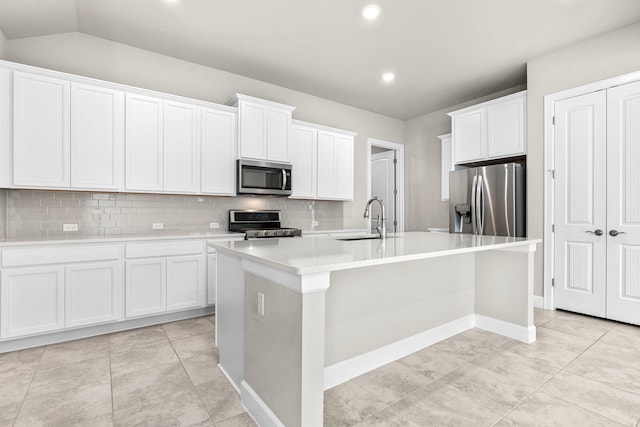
(488, 200)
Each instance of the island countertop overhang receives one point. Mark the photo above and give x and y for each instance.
(304, 256)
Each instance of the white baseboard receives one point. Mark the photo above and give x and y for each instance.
(348, 369)
(257, 409)
(228, 377)
(538, 302)
(511, 330)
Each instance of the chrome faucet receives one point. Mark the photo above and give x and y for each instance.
(381, 228)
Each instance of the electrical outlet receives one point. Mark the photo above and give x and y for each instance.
(260, 303)
(214, 225)
(157, 226)
(314, 223)
(69, 227)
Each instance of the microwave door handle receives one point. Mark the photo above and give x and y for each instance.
(284, 179)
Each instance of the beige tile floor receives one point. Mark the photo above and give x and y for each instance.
(581, 371)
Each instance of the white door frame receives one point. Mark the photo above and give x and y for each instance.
(399, 149)
(549, 165)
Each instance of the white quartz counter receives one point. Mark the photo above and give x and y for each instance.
(118, 238)
(308, 256)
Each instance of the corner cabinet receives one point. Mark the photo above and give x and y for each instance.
(218, 152)
(492, 130)
(322, 160)
(263, 129)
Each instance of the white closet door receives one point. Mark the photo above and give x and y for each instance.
(580, 204)
(623, 192)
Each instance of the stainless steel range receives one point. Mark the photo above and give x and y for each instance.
(260, 224)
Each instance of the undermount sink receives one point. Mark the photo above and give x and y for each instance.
(346, 239)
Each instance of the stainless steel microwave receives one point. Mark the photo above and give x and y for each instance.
(264, 178)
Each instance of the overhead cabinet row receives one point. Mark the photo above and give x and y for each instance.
(72, 135)
(491, 130)
(65, 132)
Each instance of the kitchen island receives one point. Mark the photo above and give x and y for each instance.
(298, 316)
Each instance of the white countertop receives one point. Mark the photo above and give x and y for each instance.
(307, 256)
(118, 238)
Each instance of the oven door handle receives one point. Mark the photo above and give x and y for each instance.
(284, 179)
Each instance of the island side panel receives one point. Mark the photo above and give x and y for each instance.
(284, 350)
(504, 290)
(230, 317)
(372, 307)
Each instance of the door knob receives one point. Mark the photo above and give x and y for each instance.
(598, 232)
(614, 233)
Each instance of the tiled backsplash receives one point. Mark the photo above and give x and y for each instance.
(28, 214)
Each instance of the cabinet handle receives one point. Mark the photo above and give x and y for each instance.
(598, 232)
(614, 233)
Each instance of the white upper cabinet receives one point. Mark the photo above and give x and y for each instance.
(304, 141)
(97, 137)
(144, 128)
(263, 129)
(335, 166)
(41, 141)
(181, 147)
(491, 130)
(322, 162)
(218, 152)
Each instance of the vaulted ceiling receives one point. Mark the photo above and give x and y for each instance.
(443, 52)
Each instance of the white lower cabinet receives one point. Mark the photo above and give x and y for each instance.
(50, 288)
(93, 293)
(31, 300)
(185, 282)
(165, 276)
(146, 287)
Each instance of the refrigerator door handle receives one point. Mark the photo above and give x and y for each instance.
(480, 205)
(474, 210)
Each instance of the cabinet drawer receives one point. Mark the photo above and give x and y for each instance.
(156, 249)
(20, 257)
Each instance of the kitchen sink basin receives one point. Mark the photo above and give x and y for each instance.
(347, 239)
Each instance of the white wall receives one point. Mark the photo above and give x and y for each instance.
(595, 59)
(102, 59)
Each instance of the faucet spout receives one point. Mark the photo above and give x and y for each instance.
(381, 228)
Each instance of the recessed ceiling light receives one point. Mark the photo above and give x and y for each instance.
(388, 77)
(371, 11)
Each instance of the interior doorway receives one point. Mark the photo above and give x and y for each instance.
(385, 166)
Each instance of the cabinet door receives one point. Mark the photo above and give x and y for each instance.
(446, 165)
(41, 123)
(506, 128)
(253, 131)
(146, 286)
(144, 168)
(218, 152)
(212, 278)
(303, 159)
(278, 126)
(97, 137)
(31, 301)
(326, 165)
(93, 293)
(185, 282)
(181, 147)
(6, 128)
(469, 136)
(344, 168)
